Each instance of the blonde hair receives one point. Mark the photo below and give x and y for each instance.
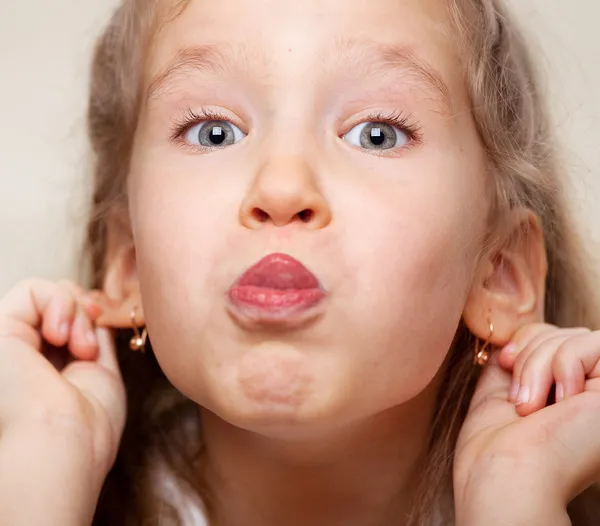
(515, 130)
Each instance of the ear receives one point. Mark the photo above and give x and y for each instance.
(120, 299)
(509, 286)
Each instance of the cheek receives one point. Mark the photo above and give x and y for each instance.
(184, 220)
(183, 225)
(413, 262)
(175, 240)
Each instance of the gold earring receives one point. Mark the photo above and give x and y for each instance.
(481, 356)
(138, 342)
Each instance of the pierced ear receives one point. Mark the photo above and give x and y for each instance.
(121, 291)
(121, 280)
(509, 285)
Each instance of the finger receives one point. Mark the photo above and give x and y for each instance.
(33, 304)
(512, 355)
(80, 337)
(526, 335)
(529, 340)
(538, 341)
(577, 359)
(27, 300)
(537, 375)
(507, 356)
(57, 318)
(83, 344)
(76, 290)
(86, 299)
(592, 385)
(522, 351)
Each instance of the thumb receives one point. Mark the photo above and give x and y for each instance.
(101, 381)
(571, 429)
(490, 408)
(107, 355)
(494, 382)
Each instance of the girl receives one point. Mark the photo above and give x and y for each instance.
(329, 218)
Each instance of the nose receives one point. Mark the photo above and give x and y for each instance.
(285, 191)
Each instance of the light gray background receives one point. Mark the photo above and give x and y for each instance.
(44, 54)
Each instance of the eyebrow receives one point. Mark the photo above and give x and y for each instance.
(217, 58)
(371, 57)
(368, 57)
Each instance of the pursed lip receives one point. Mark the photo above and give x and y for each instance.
(277, 291)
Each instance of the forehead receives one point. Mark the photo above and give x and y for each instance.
(270, 38)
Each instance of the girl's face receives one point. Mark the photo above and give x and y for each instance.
(337, 133)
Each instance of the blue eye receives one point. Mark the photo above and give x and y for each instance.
(214, 134)
(377, 136)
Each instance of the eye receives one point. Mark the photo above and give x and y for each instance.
(214, 134)
(377, 136)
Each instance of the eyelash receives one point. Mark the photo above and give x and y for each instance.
(397, 119)
(190, 118)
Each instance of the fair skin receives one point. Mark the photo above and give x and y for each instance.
(322, 423)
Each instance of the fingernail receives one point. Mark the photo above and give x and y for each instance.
(514, 390)
(560, 392)
(90, 338)
(93, 310)
(523, 396)
(89, 299)
(510, 349)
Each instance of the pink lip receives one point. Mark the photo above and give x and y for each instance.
(278, 290)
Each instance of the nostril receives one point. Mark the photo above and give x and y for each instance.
(306, 215)
(260, 215)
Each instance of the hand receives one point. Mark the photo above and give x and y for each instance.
(84, 403)
(515, 444)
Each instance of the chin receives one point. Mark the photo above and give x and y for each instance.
(276, 390)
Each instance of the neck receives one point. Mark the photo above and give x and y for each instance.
(365, 474)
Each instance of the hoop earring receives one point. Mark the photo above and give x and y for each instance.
(482, 355)
(138, 342)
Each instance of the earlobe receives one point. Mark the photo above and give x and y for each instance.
(121, 295)
(509, 286)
